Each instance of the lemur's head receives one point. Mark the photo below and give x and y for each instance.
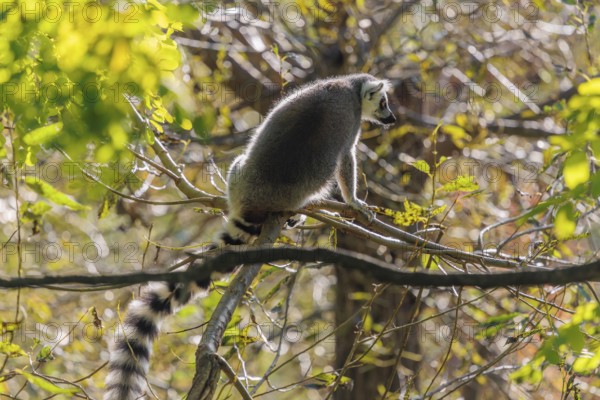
(375, 103)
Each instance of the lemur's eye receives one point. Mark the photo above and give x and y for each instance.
(382, 103)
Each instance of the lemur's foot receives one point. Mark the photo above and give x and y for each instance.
(295, 220)
(363, 209)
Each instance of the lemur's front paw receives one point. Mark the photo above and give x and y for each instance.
(363, 209)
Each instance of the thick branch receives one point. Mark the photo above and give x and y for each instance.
(207, 363)
(355, 261)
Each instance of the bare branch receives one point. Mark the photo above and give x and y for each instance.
(207, 363)
(544, 128)
(375, 268)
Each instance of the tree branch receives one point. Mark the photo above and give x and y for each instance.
(207, 363)
(506, 126)
(375, 268)
(175, 171)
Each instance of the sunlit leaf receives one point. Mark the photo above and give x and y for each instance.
(46, 385)
(422, 166)
(53, 194)
(11, 349)
(586, 365)
(45, 354)
(186, 124)
(564, 222)
(458, 135)
(461, 184)
(43, 135)
(591, 87)
(527, 373)
(576, 169)
(412, 214)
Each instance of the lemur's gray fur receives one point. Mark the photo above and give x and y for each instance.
(305, 144)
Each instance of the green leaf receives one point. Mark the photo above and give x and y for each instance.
(11, 349)
(33, 211)
(576, 169)
(457, 134)
(46, 385)
(412, 214)
(571, 335)
(422, 166)
(549, 353)
(591, 87)
(45, 354)
(186, 124)
(586, 365)
(564, 222)
(461, 184)
(541, 207)
(157, 126)
(3, 151)
(589, 312)
(149, 135)
(437, 210)
(52, 194)
(43, 135)
(326, 377)
(242, 337)
(530, 373)
(108, 201)
(501, 319)
(30, 158)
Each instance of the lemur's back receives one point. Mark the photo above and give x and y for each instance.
(295, 152)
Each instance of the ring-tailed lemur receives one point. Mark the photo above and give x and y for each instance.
(306, 143)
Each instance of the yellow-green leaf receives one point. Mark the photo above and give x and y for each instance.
(43, 135)
(45, 354)
(457, 134)
(186, 124)
(530, 373)
(422, 166)
(149, 134)
(461, 120)
(564, 222)
(108, 201)
(11, 349)
(576, 169)
(590, 88)
(156, 126)
(30, 158)
(461, 184)
(586, 365)
(52, 194)
(46, 385)
(437, 210)
(412, 214)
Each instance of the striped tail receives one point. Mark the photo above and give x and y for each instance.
(237, 231)
(130, 353)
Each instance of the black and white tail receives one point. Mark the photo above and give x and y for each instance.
(130, 353)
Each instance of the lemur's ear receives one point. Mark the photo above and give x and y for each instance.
(370, 88)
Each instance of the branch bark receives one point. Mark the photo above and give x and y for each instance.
(379, 270)
(207, 362)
